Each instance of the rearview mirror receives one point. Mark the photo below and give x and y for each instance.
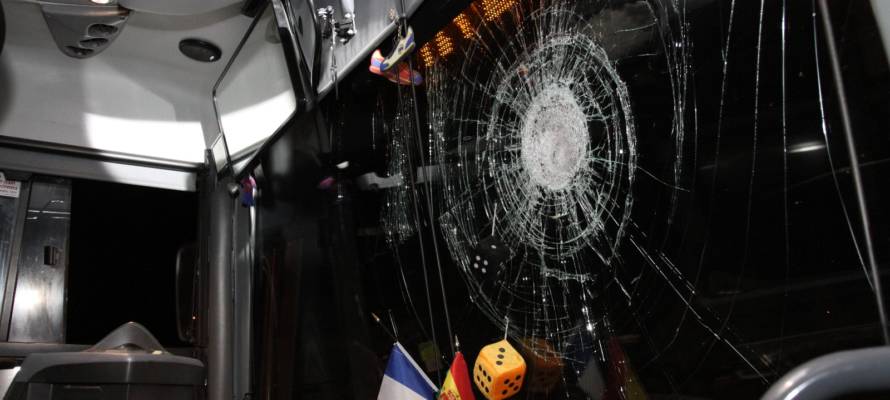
(188, 280)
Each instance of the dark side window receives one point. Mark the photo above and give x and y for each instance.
(122, 260)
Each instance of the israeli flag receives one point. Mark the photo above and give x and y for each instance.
(404, 380)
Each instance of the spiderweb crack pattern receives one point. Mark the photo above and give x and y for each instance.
(396, 215)
(535, 133)
(545, 166)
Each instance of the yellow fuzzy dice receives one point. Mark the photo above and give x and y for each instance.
(499, 371)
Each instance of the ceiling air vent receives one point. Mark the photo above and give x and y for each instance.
(83, 29)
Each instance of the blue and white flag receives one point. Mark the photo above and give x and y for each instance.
(404, 380)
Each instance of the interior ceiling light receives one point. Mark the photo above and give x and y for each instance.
(103, 2)
(200, 50)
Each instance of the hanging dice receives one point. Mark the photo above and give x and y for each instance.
(489, 254)
(499, 371)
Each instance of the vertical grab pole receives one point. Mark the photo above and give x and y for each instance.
(854, 164)
(220, 307)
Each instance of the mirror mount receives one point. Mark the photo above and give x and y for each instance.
(344, 29)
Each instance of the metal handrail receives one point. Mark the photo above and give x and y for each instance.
(836, 374)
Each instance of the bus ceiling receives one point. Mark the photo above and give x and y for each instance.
(135, 95)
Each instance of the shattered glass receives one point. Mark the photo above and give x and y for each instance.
(397, 217)
(656, 187)
(548, 170)
(544, 164)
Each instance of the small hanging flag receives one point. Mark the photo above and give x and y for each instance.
(457, 384)
(403, 379)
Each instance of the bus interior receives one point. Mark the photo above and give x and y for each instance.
(286, 199)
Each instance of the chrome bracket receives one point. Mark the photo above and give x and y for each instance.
(344, 29)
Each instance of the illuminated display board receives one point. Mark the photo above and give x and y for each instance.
(461, 28)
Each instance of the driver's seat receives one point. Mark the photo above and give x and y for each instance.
(128, 364)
